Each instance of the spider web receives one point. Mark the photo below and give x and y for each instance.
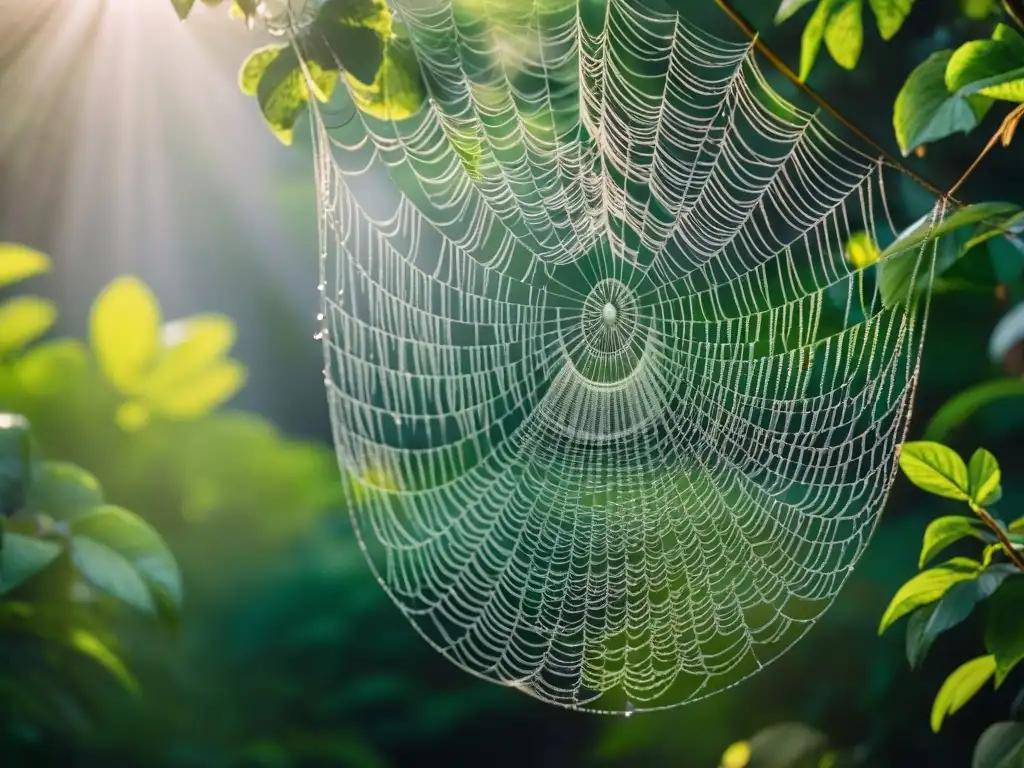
(616, 413)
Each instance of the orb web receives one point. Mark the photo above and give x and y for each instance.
(616, 414)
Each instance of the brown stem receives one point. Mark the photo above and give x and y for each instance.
(1008, 548)
(1015, 10)
(1006, 129)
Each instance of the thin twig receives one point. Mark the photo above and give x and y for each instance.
(1008, 548)
(1003, 135)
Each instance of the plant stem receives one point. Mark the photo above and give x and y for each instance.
(1008, 548)
(1005, 131)
(1015, 10)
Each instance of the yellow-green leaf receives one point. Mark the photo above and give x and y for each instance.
(944, 531)
(814, 34)
(396, 93)
(890, 15)
(861, 250)
(132, 415)
(935, 468)
(983, 478)
(284, 94)
(737, 755)
(19, 262)
(88, 644)
(844, 33)
(255, 66)
(125, 333)
(960, 687)
(24, 319)
(198, 396)
(927, 587)
(190, 346)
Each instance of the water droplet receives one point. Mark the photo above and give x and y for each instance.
(630, 709)
(320, 287)
(318, 336)
(397, 419)
(320, 316)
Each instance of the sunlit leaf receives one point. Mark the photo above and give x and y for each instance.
(983, 478)
(254, 67)
(139, 543)
(397, 92)
(844, 33)
(51, 367)
(927, 587)
(960, 687)
(1000, 746)
(935, 468)
(200, 394)
(890, 15)
(24, 319)
(19, 262)
(63, 491)
(371, 14)
(992, 68)
(125, 332)
(814, 35)
(191, 346)
(926, 111)
(736, 756)
(109, 571)
(861, 250)
(1004, 631)
(283, 93)
(945, 531)
(88, 644)
(23, 557)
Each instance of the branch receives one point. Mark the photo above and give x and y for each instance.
(1008, 548)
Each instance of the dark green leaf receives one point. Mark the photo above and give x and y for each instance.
(960, 408)
(359, 49)
(1000, 746)
(110, 572)
(926, 229)
(944, 531)
(927, 587)
(1004, 632)
(917, 642)
(23, 557)
(960, 688)
(790, 8)
(63, 491)
(926, 111)
(15, 463)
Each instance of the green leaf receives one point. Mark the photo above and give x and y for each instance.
(1004, 631)
(201, 394)
(283, 93)
(925, 230)
(926, 111)
(63, 491)
(397, 92)
(125, 332)
(191, 347)
(1009, 331)
(50, 368)
(254, 67)
(992, 68)
(861, 250)
(183, 7)
(18, 262)
(110, 572)
(944, 531)
(844, 33)
(23, 320)
(960, 687)
(23, 557)
(935, 468)
(50, 623)
(927, 587)
(983, 478)
(961, 407)
(371, 14)
(790, 8)
(359, 49)
(139, 543)
(1000, 746)
(814, 34)
(15, 463)
(952, 608)
(890, 15)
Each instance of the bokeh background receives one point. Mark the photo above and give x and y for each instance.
(127, 148)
